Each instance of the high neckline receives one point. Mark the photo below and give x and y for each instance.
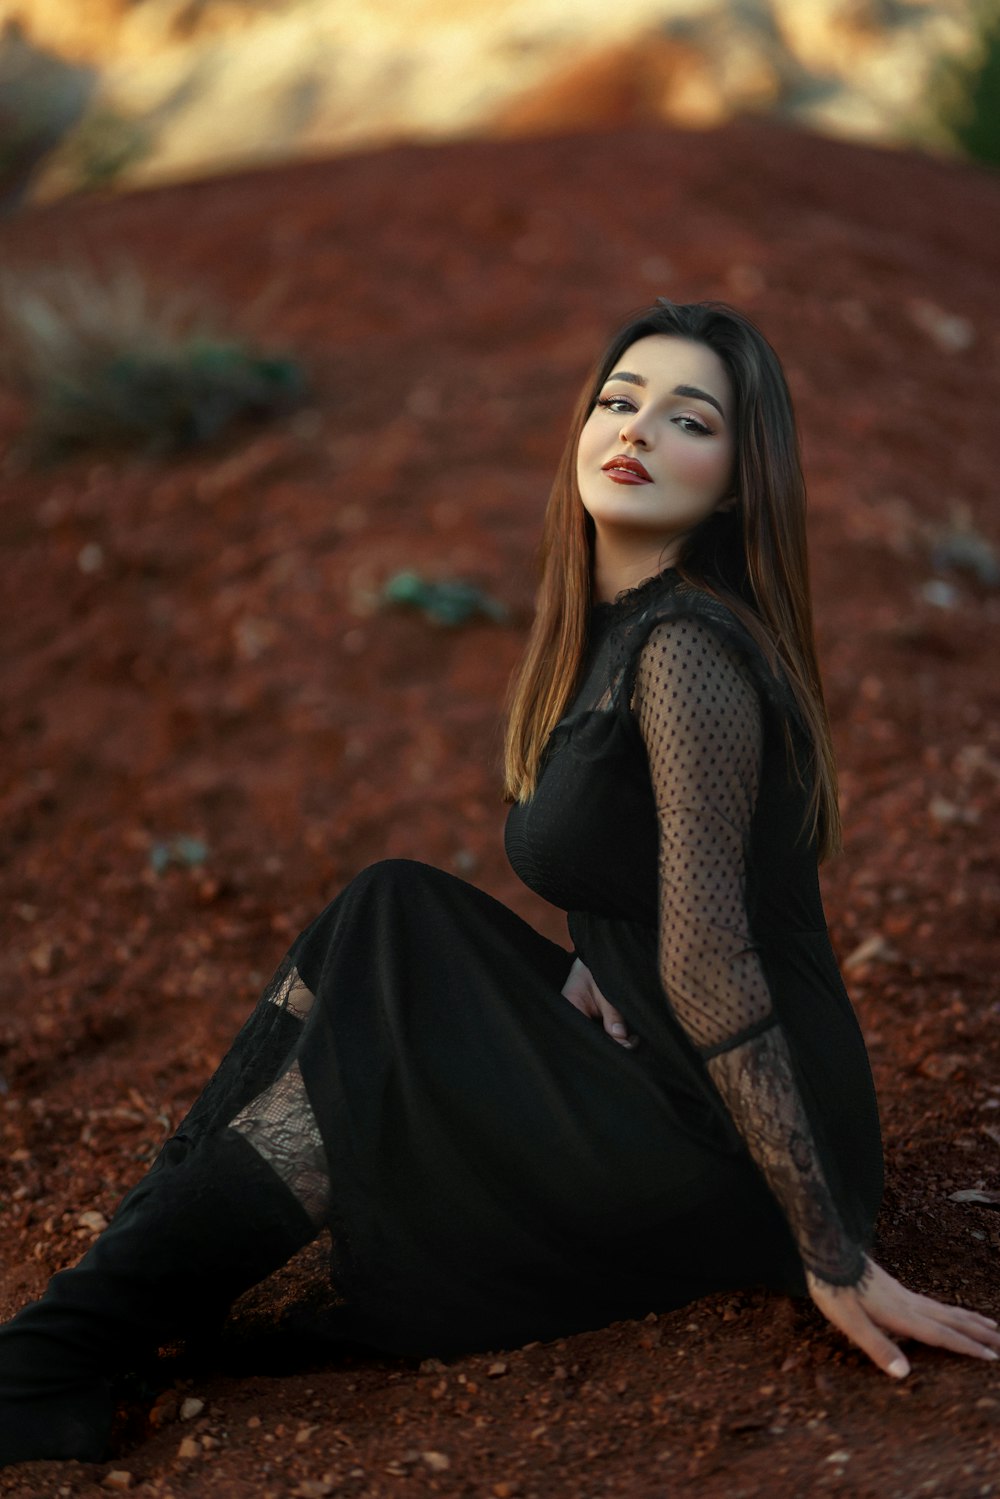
(628, 598)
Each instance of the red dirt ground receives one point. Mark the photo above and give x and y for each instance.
(221, 672)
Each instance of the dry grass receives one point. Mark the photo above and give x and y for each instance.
(103, 360)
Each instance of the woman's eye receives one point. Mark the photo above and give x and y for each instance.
(696, 425)
(616, 403)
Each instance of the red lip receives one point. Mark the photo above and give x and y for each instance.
(626, 470)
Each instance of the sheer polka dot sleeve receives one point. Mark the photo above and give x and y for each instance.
(701, 721)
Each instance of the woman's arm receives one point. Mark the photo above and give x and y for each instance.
(700, 718)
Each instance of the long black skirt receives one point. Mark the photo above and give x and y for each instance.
(500, 1169)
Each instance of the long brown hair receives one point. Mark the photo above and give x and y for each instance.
(753, 557)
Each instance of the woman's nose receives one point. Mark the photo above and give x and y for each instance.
(633, 432)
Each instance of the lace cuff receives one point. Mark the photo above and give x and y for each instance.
(756, 1083)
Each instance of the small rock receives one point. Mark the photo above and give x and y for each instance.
(972, 758)
(945, 812)
(189, 1447)
(840, 1457)
(253, 1422)
(315, 1488)
(165, 1408)
(437, 1462)
(496, 1369)
(982, 1199)
(432, 1366)
(874, 949)
(939, 593)
(93, 1220)
(950, 332)
(191, 1407)
(305, 1433)
(941, 1065)
(118, 1478)
(506, 1488)
(45, 957)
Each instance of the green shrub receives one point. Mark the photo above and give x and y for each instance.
(102, 146)
(451, 601)
(103, 361)
(967, 91)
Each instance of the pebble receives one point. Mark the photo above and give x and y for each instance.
(189, 1447)
(941, 1065)
(939, 593)
(496, 1369)
(873, 949)
(191, 1407)
(118, 1478)
(950, 332)
(93, 1220)
(253, 1422)
(945, 812)
(438, 1462)
(506, 1489)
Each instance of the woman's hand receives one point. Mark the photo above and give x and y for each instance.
(878, 1305)
(583, 993)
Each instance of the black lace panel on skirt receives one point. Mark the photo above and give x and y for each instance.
(258, 1090)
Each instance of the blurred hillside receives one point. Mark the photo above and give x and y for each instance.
(143, 91)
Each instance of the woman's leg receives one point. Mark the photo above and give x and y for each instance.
(228, 1201)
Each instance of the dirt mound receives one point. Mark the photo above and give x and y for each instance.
(192, 650)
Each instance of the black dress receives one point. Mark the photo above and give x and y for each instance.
(499, 1169)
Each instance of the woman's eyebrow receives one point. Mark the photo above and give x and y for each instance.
(702, 395)
(678, 390)
(626, 375)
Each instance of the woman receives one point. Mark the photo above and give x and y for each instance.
(426, 1074)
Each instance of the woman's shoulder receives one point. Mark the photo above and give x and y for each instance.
(668, 605)
(698, 631)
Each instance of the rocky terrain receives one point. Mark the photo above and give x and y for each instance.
(144, 91)
(193, 649)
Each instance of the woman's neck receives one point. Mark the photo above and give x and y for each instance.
(619, 565)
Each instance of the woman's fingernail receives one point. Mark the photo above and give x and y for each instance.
(618, 1029)
(899, 1368)
(990, 1353)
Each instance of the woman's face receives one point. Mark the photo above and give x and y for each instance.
(656, 455)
